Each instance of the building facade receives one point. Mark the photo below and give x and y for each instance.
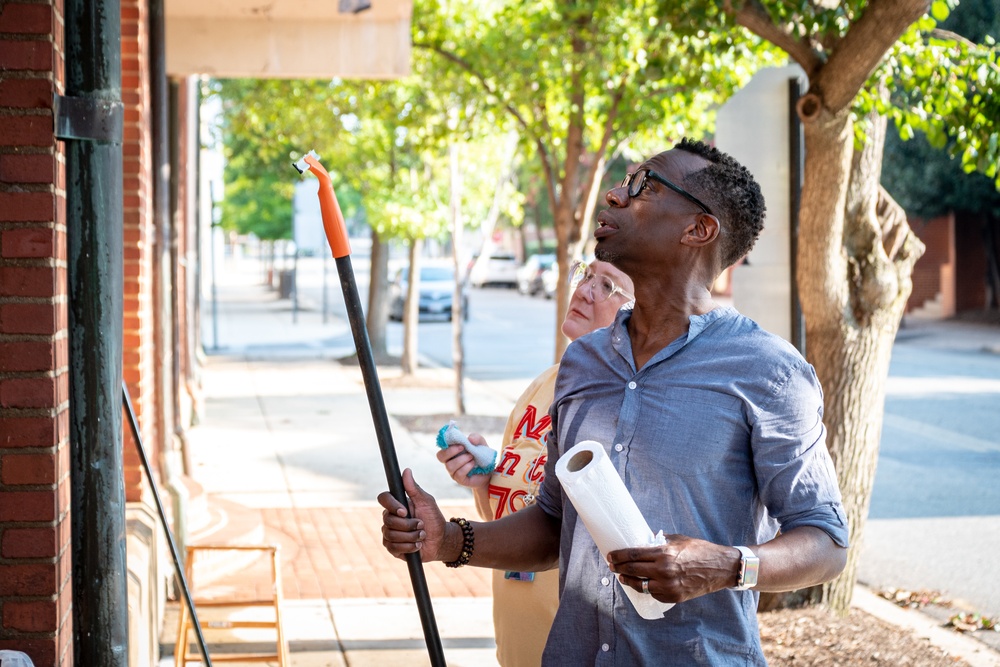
(165, 46)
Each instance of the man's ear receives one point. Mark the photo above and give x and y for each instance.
(704, 230)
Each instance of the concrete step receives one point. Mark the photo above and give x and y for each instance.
(929, 310)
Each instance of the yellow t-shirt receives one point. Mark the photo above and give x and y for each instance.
(523, 610)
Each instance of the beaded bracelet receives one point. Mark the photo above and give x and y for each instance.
(468, 543)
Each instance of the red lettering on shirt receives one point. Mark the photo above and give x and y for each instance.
(508, 463)
(500, 493)
(536, 471)
(505, 500)
(528, 427)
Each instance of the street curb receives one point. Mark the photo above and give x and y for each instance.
(975, 653)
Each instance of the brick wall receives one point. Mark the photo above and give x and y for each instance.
(971, 269)
(138, 362)
(938, 261)
(185, 220)
(35, 592)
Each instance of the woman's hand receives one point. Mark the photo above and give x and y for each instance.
(458, 461)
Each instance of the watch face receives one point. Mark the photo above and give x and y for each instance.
(749, 565)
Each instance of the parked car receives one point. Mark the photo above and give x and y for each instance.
(437, 292)
(498, 268)
(529, 275)
(550, 280)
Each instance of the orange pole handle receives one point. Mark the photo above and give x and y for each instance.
(333, 219)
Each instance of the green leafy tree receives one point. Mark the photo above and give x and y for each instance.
(579, 79)
(867, 61)
(255, 122)
(927, 182)
(398, 134)
(385, 145)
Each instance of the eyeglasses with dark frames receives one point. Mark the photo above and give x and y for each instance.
(636, 181)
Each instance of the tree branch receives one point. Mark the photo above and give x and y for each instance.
(587, 204)
(543, 152)
(968, 43)
(752, 16)
(477, 75)
(954, 36)
(864, 46)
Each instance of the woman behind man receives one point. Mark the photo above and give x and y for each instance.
(524, 603)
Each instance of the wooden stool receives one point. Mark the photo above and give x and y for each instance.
(226, 601)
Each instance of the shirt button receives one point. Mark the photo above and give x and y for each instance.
(631, 385)
(619, 447)
(605, 581)
(605, 647)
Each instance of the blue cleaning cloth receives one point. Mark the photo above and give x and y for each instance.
(485, 457)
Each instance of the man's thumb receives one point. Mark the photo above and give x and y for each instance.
(411, 487)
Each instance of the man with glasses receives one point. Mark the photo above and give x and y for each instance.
(714, 425)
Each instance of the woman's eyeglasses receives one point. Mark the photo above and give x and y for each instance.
(601, 287)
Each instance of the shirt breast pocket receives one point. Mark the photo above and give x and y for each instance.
(697, 431)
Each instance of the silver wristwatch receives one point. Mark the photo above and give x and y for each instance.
(749, 565)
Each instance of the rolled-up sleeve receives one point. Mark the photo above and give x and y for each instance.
(795, 474)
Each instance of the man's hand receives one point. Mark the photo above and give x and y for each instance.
(424, 531)
(679, 570)
(458, 461)
(685, 568)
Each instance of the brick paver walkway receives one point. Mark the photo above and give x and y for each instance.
(336, 552)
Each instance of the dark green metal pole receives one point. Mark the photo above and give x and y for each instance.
(89, 120)
(796, 165)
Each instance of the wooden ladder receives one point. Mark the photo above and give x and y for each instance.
(182, 653)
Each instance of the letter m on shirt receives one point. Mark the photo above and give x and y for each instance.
(530, 426)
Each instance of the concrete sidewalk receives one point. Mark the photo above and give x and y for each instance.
(286, 453)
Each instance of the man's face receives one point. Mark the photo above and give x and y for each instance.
(648, 227)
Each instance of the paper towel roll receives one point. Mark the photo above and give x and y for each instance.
(608, 511)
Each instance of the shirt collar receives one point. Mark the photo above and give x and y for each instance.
(696, 325)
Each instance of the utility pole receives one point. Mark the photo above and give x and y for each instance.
(89, 118)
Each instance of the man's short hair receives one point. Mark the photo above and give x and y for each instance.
(732, 193)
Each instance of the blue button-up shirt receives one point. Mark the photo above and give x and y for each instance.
(719, 437)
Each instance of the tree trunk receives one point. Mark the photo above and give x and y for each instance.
(565, 252)
(856, 255)
(378, 300)
(537, 224)
(457, 304)
(411, 310)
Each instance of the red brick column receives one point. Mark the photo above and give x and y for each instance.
(186, 221)
(938, 260)
(138, 362)
(35, 585)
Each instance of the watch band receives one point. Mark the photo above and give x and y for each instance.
(749, 566)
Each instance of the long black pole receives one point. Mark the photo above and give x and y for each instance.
(178, 566)
(383, 432)
(796, 156)
(336, 234)
(89, 119)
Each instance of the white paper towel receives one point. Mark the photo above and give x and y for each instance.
(608, 511)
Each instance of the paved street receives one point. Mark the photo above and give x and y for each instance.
(935, 514)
